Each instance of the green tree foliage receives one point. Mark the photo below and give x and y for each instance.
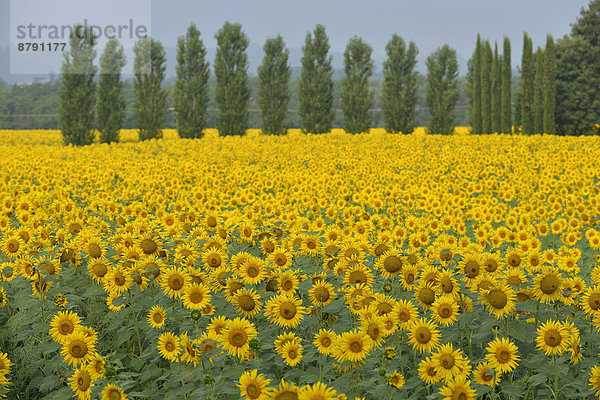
(549, 90)
(528, 86)
(78, 90)
(150, 97)
(316, 83)
(442, 89)
(357, 98)
(191, 87)
(400, 85)
(273, 90)
(487, 59)
(506, 106)
(496, 105)
(517, 113)
(538, 92)
(110, 110)
(475, 85)
(578, 75)
(231, 71)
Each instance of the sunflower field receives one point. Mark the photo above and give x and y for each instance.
(310, 267)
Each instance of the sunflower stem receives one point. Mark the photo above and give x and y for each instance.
(555, 377)
(137, 329)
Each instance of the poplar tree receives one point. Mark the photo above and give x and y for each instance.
(517, 113)
(191, 86)
(111, 105)
(442, 89)
(357, 97)
(231, 70)
(538, 92)
(476, 122)
(506, 106)
(527, 86)
(400, 83)
(316, 83)
(150, 102)
(496, 91)
(77, 92)
(487, 57)
(549, 87)
(273, 80)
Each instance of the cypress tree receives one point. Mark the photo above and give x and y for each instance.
(231, 70)
(549, 87)
(476, 122)
(191, 86)
(111, 105)
(77, 92)
(399, 91)
(273, 80)
(487, 58)
(496, 91)
(538, 93)
(442, 89)
(517, 113)
(527, 86)
(506, 105)
(150, 102)
(316, 83)
(357, 97)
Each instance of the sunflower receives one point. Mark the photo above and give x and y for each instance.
(174, 281)
(254, 386)
(447, 284)
(285, 390)
(408, 277)
(547, 285)
(78, 348)
(427, 372)
(358, 273)
(406, 313)
(424, 293)
(96, 367)
(283, 339)
(213, 258)
(5, 364)
(98, 268)
(576, 355)
(247, 302)
(318, 391)
(390, 263)
(196, 296)
(444, 310)
(423, 335)
(236, 337)
(82, 382)
(449, 363)
(514, 257)
(63, 324)
(353, 346)
(321, 294)
(156, 317)
(374, 327)
(48, 266)
(216, 327)
(292, 353)
(190, 349)
(288, 281)
(396, 379)
(459, 388)
(252, 271)
(169, 346)
(324, 340)
(149, 244)
(3, 297)
(590, 301)
(470, 265)
(118, 280)
(113, 392)
(285, 310)
(552, 338)
(502, 355)
(13, 245)
(485, 374)
(500, 300)
(280, 258)
(594, 380)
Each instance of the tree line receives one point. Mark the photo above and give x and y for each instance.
(80, 96)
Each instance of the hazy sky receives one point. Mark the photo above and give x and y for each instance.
(430, 23)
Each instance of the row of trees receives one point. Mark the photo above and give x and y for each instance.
(232, 94)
